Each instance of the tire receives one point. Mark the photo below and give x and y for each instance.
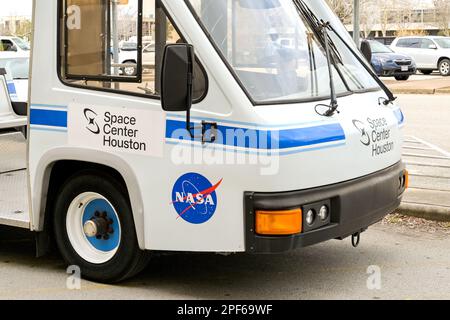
(426, 72)
(401, 78)
(444, 67)
(130, 71)
(106, 261)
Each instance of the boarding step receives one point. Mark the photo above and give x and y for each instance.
(14, 208)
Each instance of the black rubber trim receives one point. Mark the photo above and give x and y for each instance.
(355, 205)
(20, 108)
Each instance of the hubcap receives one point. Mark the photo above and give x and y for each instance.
(93, 228)
(445, 67)
(129, 71)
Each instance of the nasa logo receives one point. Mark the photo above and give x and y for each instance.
(194, 198)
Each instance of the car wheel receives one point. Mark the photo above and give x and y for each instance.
(94, 228)
(130, 71)
(444, 67)
(401, 78)
(426, 72)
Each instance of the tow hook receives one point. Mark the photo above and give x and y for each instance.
(356, 238)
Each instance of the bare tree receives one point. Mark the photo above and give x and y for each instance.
(343, 9)
(443, 15)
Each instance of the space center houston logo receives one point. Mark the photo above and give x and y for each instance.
(376, 134)
(194, 198)
(117, 129)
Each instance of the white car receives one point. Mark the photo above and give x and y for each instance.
(128, 55)
(430, 53)
(11, 47)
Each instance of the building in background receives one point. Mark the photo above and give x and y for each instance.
(15, 26)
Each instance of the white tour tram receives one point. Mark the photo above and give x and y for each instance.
(258, 128)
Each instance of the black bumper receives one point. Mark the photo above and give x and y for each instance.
(355, 205)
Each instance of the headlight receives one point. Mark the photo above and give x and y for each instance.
(310, 217)
(323, 213)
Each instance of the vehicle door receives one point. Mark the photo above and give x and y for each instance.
(429, 53)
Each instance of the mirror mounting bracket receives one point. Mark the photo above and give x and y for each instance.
(206, 127)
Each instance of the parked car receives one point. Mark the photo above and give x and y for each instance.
(13, 47)
(128, 55)
(387, 63)
(430, 53)
(17, 78)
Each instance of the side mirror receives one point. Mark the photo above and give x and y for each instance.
(366, 50)
(177, 78)
(14, 48)
(432, 46)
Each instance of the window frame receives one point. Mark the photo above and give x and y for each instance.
(112, 79)
(66, 82)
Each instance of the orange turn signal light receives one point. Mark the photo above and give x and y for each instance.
(406, 177)
(276, 223)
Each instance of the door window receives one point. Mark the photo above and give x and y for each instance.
(118, 46)
(6, 45)
(409, 43)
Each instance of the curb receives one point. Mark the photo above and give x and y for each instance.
(425, 211)
(420, 91)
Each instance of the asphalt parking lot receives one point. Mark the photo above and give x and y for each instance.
(401, 258)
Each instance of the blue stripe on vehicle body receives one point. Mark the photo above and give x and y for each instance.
(49, 118)
(400, 116)
(265, 139)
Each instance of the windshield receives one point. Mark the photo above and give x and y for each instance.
(443, 42)
(274, 53)
(378, 47)
(22, 44)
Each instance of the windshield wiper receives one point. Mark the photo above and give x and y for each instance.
(333, 107)
(320, 29)
(317, 25)
(391, 98)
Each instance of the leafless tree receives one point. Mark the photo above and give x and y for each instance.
(443, 15)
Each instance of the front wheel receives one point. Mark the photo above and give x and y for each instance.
(401, 78)
(130, 70)
(94, 229)
(444, 67)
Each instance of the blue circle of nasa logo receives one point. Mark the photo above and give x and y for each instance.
(194, 198)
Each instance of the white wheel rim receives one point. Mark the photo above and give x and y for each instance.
(95, 251)
(129, 71)
(445, 67)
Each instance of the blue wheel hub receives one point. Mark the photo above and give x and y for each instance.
(101, 225)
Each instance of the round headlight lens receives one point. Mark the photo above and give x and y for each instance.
(323, 213)
(310, 217)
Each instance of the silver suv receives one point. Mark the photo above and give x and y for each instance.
(430, 53)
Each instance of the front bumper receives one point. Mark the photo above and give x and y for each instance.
(397, 71)
(355, 205)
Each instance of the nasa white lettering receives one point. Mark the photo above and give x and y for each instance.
(117, 129)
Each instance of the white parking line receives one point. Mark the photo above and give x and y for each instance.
(432, 146)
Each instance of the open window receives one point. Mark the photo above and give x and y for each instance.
(117, 45)
(93, 30)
